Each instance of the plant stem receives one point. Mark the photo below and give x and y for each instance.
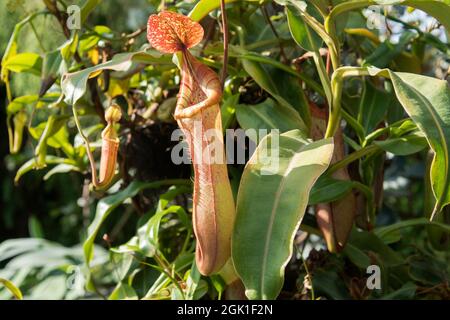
(337, 81)
(323, 75)
(352, 157)
(86, 142)
(225, 42)
(274, 31)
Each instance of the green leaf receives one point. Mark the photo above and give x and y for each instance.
(182, 262)
(123, 291)
(406, 292)
(330, 283)
(357, 256)
(61, 168)
(192, 282)
(327, 189)
(370, 242)
(12, 288)
(148, 234)
(244, 55)
(426, 101)
(88, 7)
(24, 62)
(106, 205)
(387, 51)
(373, 106)
(268, 115)
(31, 164)
(438, 9)
(228, 110)
(383, 232)
(69, 48)
(204, 7)
(428, 271)
(301, 32)
(35, 227)
(275, 194)
(11, 49)
(50, 70)
(406, 145)
(266, 81)
(20, 103)
(73, 85)
(51, 288)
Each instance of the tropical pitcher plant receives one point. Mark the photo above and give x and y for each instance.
(198, 115)
(334, 102)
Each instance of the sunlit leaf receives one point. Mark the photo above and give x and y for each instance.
(274, 192)
(74, 84)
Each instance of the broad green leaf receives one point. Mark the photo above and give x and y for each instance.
(274, 191)
(329, 282)
(267, 115)
(372, 107)
(74, 84)
(11, 48)
(24, 62)
(302, 33)
(265, 80)
(402, 146)
(357, 256)
(327, 189)
(290, 88)
(106, 205)
(12, 288)
(426, 101)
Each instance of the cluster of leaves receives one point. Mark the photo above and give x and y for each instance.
(279, 75)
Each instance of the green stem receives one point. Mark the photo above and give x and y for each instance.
(86, 142)
(337, 81)
(323, 75)
(358, 154)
